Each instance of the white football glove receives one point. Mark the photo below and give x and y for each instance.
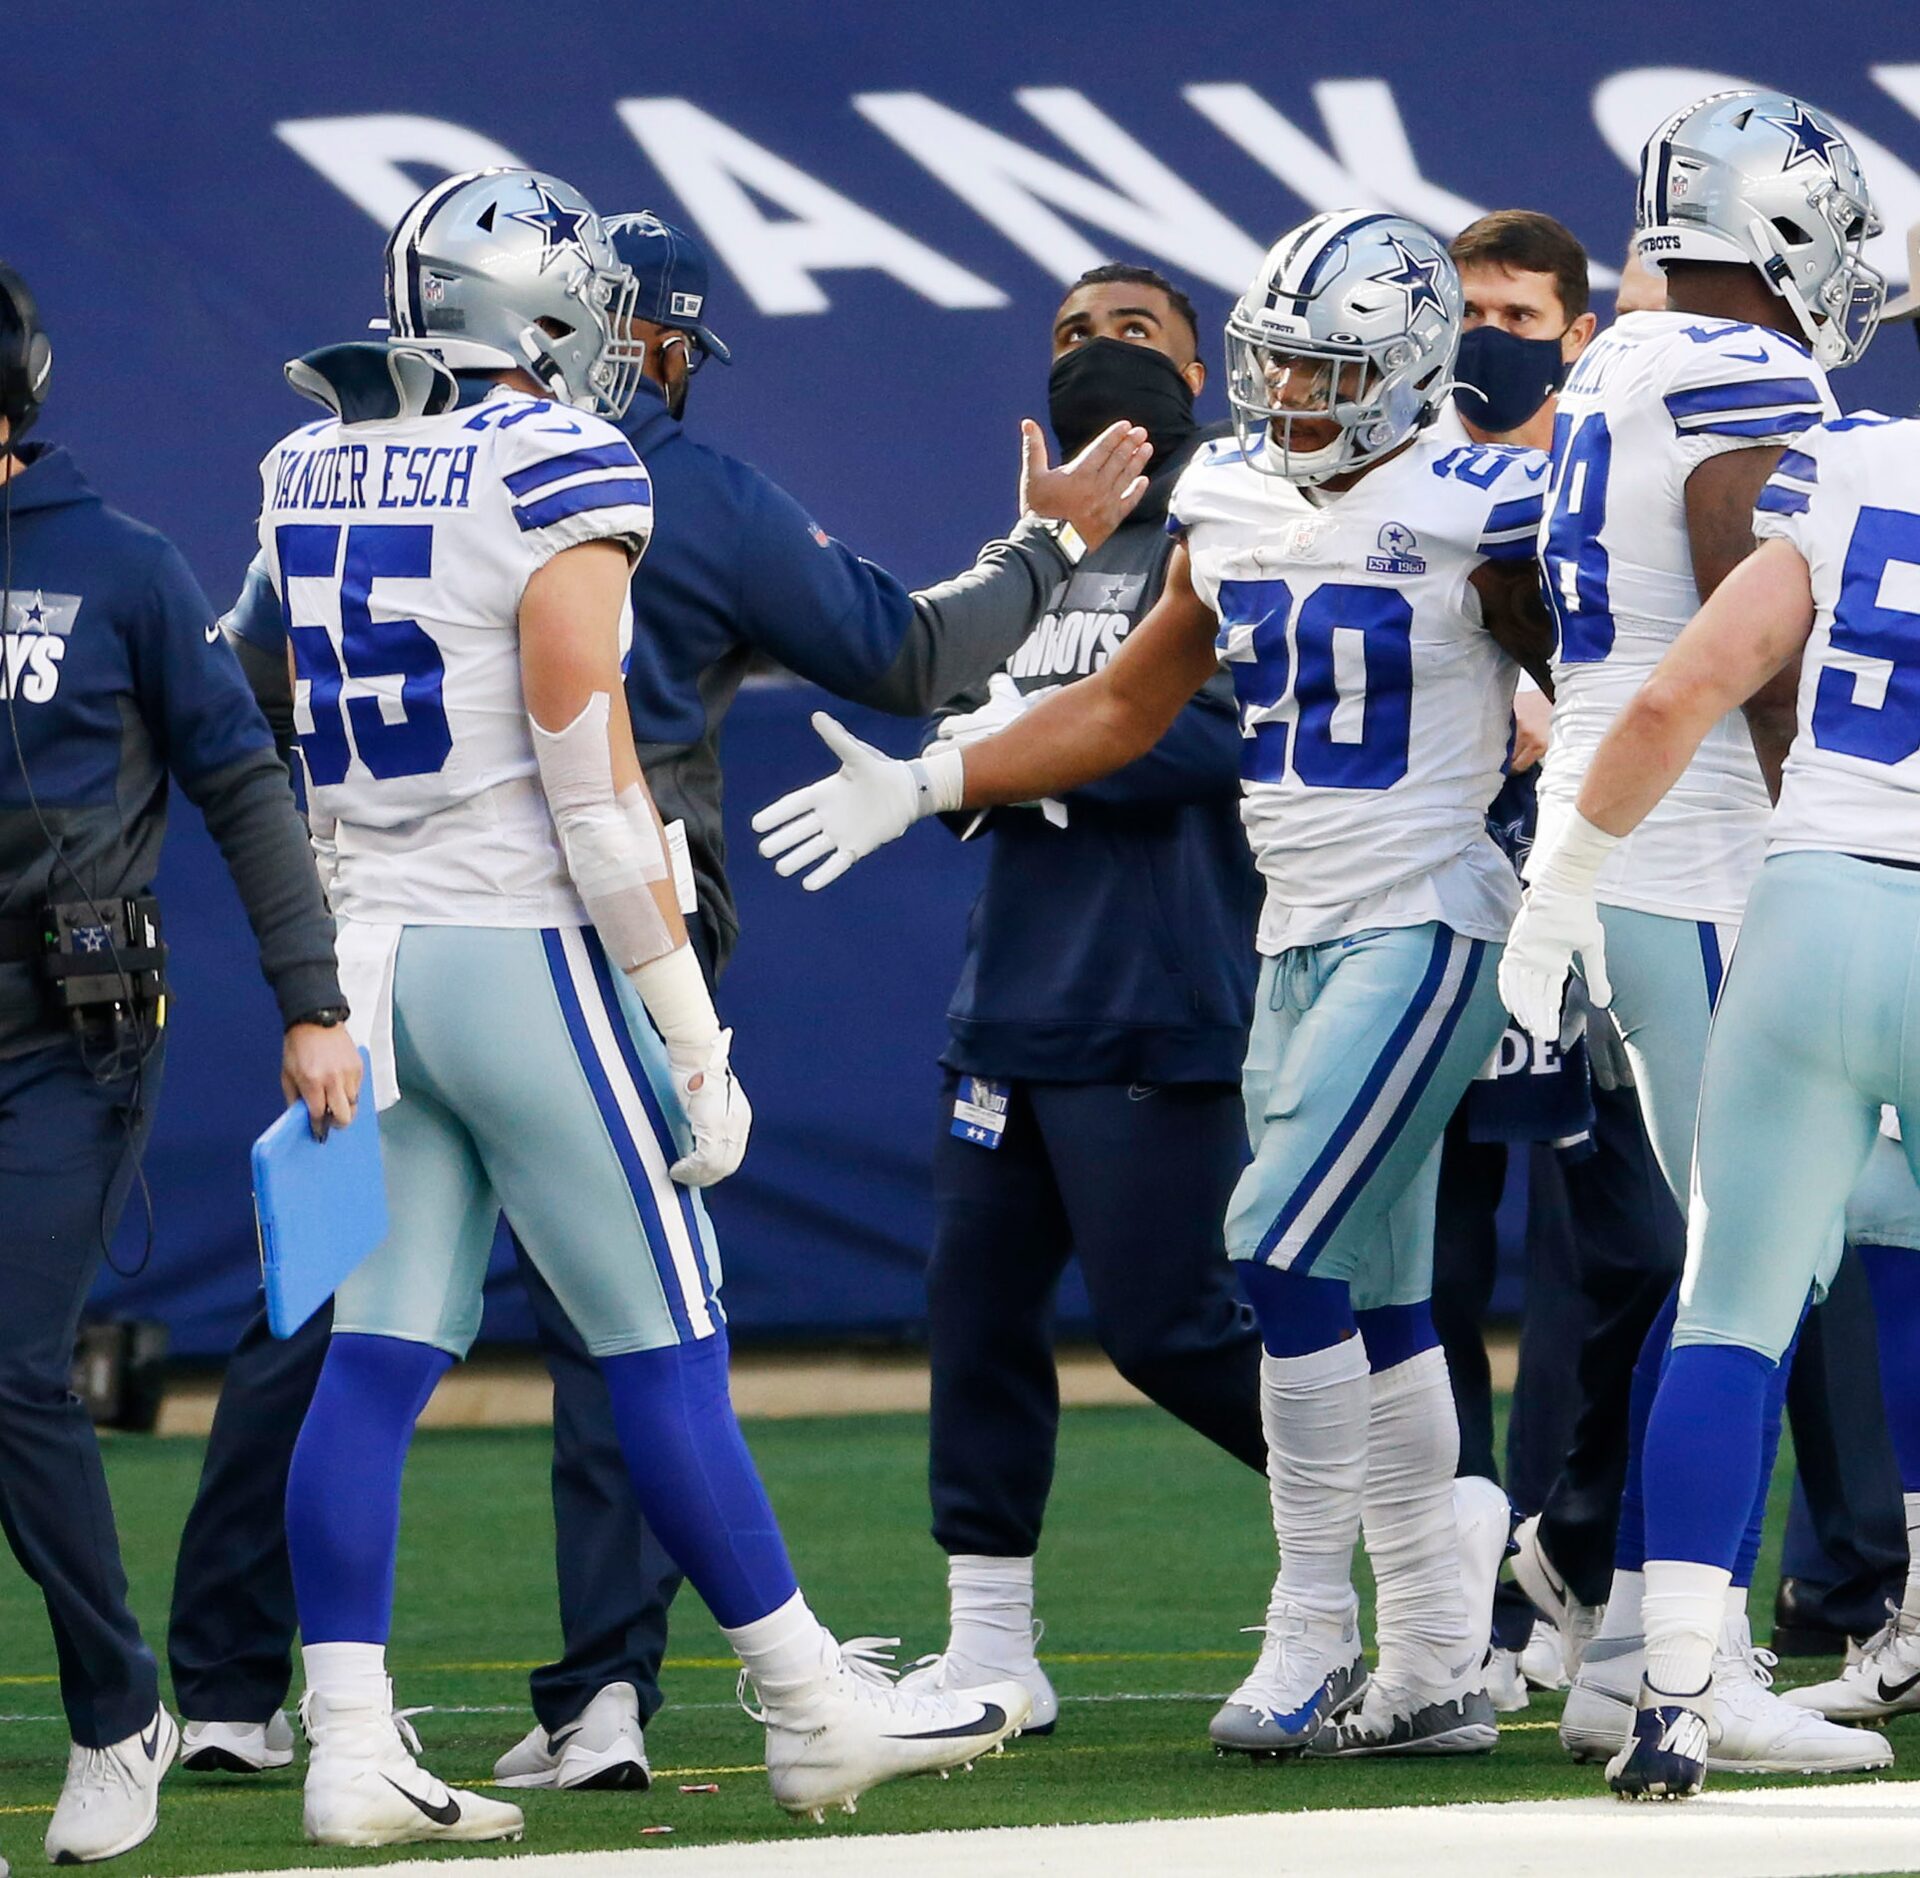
(1555, 923)
(717, 1111)
(1006, 704)
(870, 800)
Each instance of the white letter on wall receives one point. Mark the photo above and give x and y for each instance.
(1133, 195)
(365, 157)
(711, 167)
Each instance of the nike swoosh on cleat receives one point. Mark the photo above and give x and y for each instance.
(152, 1744)
(1894, 1691)
(559, 1739)
(991, 1722)
(448, 1815)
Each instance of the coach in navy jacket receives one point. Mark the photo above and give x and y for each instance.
(1093, 1106)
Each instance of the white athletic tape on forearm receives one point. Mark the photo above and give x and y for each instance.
(675, 994)
(612, 844)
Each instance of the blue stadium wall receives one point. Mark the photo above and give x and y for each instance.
(895, 196)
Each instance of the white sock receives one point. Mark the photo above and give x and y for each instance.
(1413, 1447)
(1736, 1633)
(1623, 1615)
(354, 1675)
(1910, 1602)
(1686, 1610)
(1314, 1411)
(786, 1652)
(992, 1606)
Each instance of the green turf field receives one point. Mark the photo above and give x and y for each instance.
(1157, 1551)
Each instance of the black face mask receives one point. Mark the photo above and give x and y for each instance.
(1505, 379)
(1110, 381)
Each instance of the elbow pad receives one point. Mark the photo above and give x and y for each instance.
(612, 843)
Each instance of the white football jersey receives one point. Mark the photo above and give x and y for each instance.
(1650, 400)
(400, 551)
(1374, 705)
(1848, 497)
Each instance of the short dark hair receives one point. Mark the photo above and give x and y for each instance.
(1110, 273)
(1529, 243)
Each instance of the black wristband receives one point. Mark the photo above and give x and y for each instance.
(328, 1017)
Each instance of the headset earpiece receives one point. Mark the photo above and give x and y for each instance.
(26, 355)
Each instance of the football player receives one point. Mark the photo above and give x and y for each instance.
(1799, 1066)
(1347, 569)
(454, 571)
(1754, 206)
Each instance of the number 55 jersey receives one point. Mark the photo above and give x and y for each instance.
(1375, 707)
(1650, 400)
(400, 547)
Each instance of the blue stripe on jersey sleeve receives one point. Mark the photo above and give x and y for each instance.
(626, 490)
(1799, 465)
(1782, 499)
(575, 463)
(1751, 394)
(1786, 424)
(1522, 512)
(1515, 548)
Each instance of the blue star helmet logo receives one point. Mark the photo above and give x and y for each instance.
(1396, 538)
(1416, 278)
(1812, 143)
(559, 225)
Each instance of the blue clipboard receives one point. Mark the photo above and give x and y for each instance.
(320, 1207)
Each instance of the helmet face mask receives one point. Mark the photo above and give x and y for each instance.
(1341, 348)
(508, 269)
(1761, 179)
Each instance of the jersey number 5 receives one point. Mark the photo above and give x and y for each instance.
(417, 742)
(1881, 644)
(1352, 678)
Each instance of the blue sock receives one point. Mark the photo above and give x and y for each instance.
(1297, 1314)
(1772, 1409)
(696, 1482)
(1396, 1334)
(343, 1489)
(1893, 1275)
(1630, 1537)
(1704, 1443)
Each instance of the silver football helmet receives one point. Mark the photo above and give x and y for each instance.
(506, 267)
(1762, 179)
(1353, 320)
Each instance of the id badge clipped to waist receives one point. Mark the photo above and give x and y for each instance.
(980, 1110)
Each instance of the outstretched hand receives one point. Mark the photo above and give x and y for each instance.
(1097, 491)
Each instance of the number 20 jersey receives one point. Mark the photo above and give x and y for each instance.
(1650, 400)
(1375, 708)
(1848, 498)
(400, 550)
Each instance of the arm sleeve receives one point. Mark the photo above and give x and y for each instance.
(211, 734)
(256, 629)
(1198, 759)
(852, 628)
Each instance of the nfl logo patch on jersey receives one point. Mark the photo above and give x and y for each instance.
(1396, 544)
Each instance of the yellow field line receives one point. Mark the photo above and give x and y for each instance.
(730, 1662)
(20, 1682)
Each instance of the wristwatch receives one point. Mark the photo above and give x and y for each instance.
(1065, 537)
(328, 1017)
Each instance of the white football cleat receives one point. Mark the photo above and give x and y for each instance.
(365, 1788)
(855, 1727)
(603, 1747)
(1402, 1720)
(1599, 1715)
(216, 1747)
(1309, 1670)
(947, 1673)
(1577, 1624)
(1881, 1678)
(111, 1800)
(1542, 1661)
(1506, 1687)
(1757, 1732)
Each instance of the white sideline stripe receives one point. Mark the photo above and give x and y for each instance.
(1785, 1833)
(613, 1063)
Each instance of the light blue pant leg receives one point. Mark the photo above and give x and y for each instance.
(1360, 1050)
(1666, 976)
(540, 1056)
(1813, 1034)
(1884, 1206)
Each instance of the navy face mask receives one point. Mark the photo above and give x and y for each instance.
(1505, 379)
